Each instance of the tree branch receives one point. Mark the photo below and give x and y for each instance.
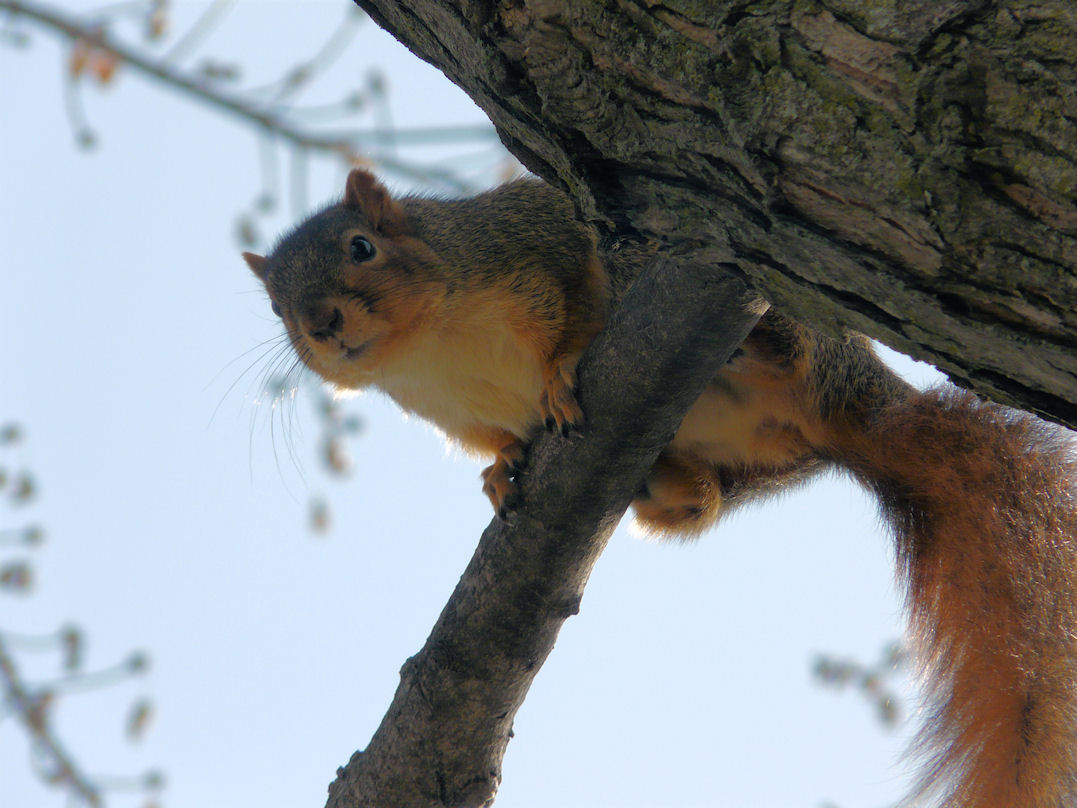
(442, 740)
(270, 117)
(32, 710)
(260, 115)
(909, 171)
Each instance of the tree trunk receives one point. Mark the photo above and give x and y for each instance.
(907, 169)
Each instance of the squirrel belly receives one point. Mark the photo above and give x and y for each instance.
(471, 376)
(473, 314)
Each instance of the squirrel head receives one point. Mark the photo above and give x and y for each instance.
(352, 284)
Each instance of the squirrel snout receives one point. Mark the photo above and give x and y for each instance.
(322, 321)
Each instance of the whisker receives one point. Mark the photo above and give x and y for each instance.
(292, 423)
(277, 343)
(278, 383)
(276, 339)
(286, 398)
(285, 390)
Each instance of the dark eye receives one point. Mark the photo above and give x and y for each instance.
(361, 249)
(276, 309)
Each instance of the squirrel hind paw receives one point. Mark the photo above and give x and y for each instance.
(497, 480)
(560, 409)
(683, 522)
(681, 498)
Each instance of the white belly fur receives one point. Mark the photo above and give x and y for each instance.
(467, 378)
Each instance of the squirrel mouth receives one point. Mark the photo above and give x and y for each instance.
(356, 352)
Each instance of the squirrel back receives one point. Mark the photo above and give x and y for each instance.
(473, 314)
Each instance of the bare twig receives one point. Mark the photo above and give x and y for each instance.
(31, 707)
(209, 18)
(874, 682)
(272, 118)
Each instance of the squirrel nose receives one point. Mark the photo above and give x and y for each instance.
(323, 321)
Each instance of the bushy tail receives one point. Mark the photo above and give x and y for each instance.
(982, 501)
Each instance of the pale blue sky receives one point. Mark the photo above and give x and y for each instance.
(683, 682)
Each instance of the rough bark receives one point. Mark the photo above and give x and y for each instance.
(442, 740)
(905, 168)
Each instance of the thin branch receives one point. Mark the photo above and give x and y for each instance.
(233, 104)
(134, 665)
(31, 710)
(302, 74)
(202, 26)
(268, 117)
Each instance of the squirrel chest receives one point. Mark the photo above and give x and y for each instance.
(473, 376)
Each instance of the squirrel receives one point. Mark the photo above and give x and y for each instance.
(473, 313)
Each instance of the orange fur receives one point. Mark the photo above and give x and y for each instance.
(984, 511)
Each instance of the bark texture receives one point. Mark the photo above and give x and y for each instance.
(443, 738)
(905, 168)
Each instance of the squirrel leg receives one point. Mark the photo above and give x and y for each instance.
(497, 482)
(558, 403)
(682, 495)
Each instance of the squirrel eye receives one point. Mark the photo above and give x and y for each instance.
(276, 309)
(361, 249)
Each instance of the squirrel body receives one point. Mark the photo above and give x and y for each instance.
(473, 314)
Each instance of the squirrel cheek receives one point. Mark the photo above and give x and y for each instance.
(414, 312)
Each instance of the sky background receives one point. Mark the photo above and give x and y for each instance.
(174, 498)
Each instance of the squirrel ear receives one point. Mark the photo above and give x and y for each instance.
(366, 194)
(257, 263)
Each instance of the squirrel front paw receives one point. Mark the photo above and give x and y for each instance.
(558, 403)
(497, 480)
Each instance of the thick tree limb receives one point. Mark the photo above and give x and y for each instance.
(904, 168)
(442, 740)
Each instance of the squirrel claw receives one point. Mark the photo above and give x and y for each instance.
(508, 506)
(497, 479)
(558, 401)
